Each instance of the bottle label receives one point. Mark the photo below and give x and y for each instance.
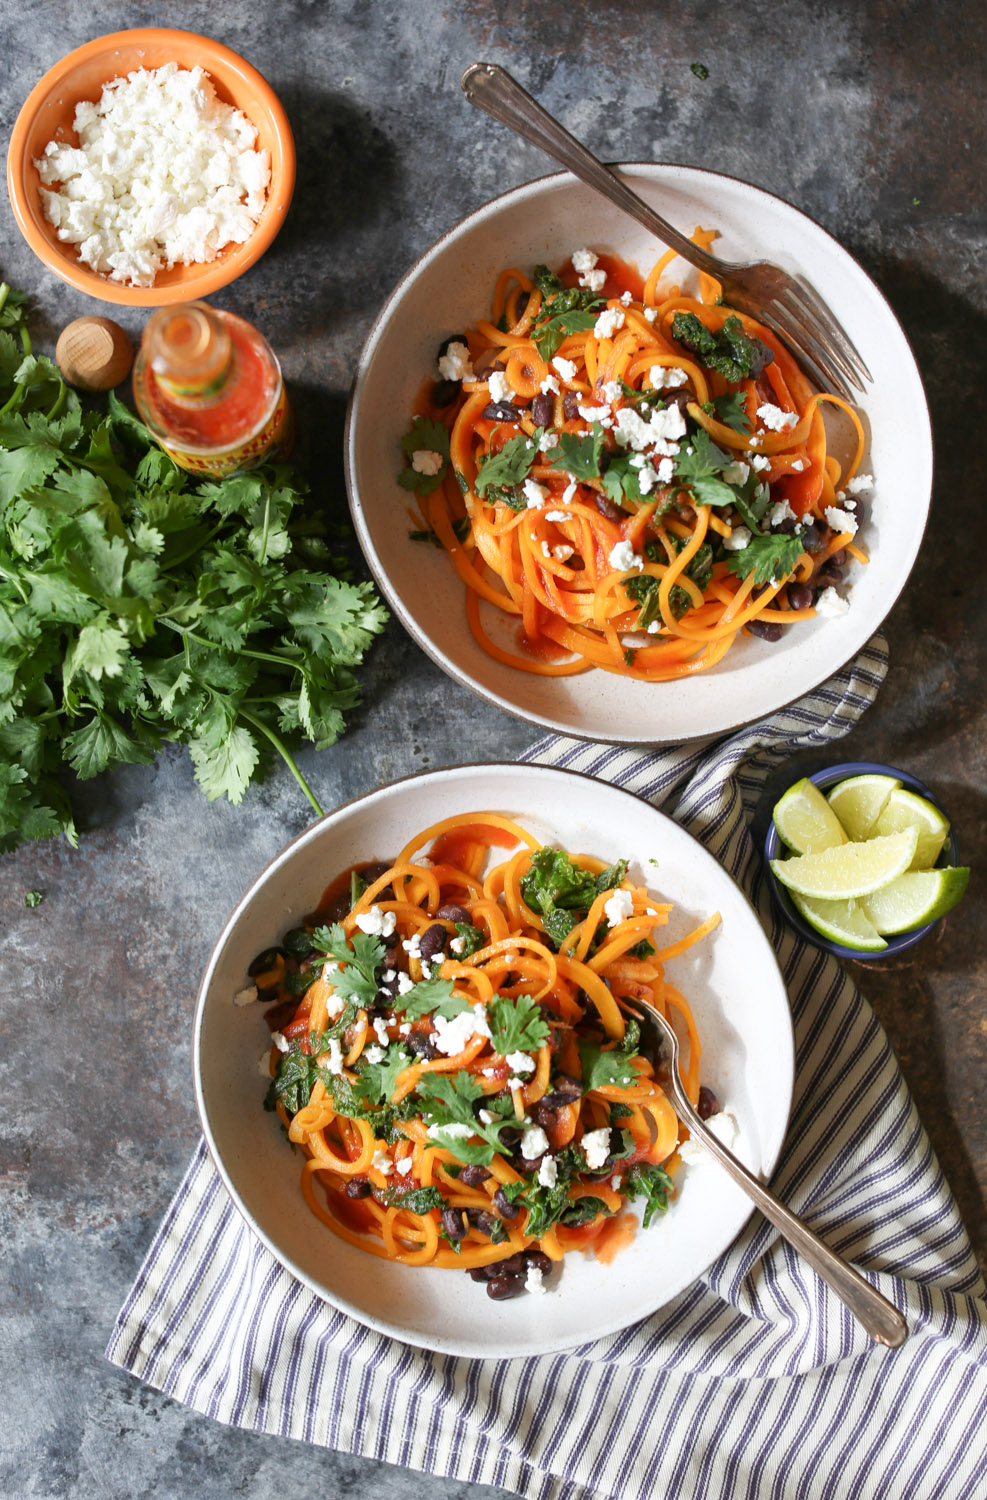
(272, 441)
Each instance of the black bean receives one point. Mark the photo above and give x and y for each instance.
(452, 913)
(444, 393)
(837, 559)
(473, 1174)
(501, 411)
(522, 302)
(565, 1088)
(453, 1223)
(509, 1136)
(513, 1265)
(607, 508)
(542, 410)
(504, 1206)
(501, 1287)
(357, 1187)
(482, 1220)
(708, 1103)
(787, 525)
(544, 1114)
(570, 404)
(766, 630)
(432, 941)
(680, 398)
(479, 1273)
(421, 1045)
(265, 961)
(454, 338)
(799, 596)
(827, 577)
(488, 363)
(812, 536)
(338, 910)
(539, 1260)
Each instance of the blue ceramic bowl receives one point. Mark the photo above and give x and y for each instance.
(773, 847)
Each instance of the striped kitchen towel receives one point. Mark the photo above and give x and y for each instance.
(755, 1382)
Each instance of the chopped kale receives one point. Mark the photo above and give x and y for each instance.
(731, 352)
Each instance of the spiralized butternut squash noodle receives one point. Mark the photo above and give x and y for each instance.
(452, 1053)
(632, 475)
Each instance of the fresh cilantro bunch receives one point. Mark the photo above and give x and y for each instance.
(138, 606)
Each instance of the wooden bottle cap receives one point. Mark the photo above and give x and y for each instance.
(94, 353)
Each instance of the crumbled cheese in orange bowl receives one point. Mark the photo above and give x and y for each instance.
(164, 174)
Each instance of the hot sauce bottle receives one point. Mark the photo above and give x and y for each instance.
(209, 387)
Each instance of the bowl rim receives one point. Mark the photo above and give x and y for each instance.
(619, 734)
(783, 1088)
(217, 274)
(896, 942)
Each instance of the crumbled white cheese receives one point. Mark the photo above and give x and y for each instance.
(569, 493)
(457, 945)
(618, 908)
(452, 1036)
(382, 1163)
(280, 1041)
(164, 174)
(246, 996)
(333, 1058)
(594, 281)
(608, 322)
(486, 1117)
(626, 298)
(547, 441)
(534, 1281)
(666, 377)
(775, 419)
(737, 540)
(596, 1147)
(413, 945)
(666, 471)
(380, 1030)
(612, 390)
(780, 512)
(454, 1131)
(651, 313)
(498, 386)
(623, 558)
(557, 515)
(657, 432)
(565, 367)
(520, 1062)
(535, 494)
(455, 363)
(798, 465)
(426, 461)
(335, 1005)
(724, 1126)
(376, 922)
(534, 1142)
(404, 1029)
(374, 1054)
(403, 1166)
(840, 520)
(759, 462)
(548, 1172)
(562, 553)
(860, 484)
(737, 473)
(405, 983)
(583, 260)
(648, 477)
(830, 604)
(549, 386)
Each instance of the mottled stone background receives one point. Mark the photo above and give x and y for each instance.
(870, 117)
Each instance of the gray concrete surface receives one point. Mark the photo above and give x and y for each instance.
(870, 117)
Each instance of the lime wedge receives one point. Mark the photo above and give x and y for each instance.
(849, 870)
(915, 898)
(906, 809)
(805, 821)
(859, 801)
(843, 922)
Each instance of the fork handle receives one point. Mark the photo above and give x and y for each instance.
(492, 89)
(880, 1317)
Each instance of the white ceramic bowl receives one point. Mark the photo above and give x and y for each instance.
(731, 979)
(452, 285)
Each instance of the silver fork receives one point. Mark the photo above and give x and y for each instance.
(784, 303)
(879, 1317)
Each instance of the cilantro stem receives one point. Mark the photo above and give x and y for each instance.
(267, 526)
(283, 751)
(200, 640)
(198, 546)
(59, 403)
(4, 294)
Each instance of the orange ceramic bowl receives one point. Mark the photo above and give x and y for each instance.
(49, 111)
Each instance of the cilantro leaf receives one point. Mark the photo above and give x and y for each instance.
(432, 997)
(516, 1025)
(731, 352)
(651, 1183)
(474, 938)
(377, 1080)
(569, 312)
(424, 435)
(579, 453)
(446, 1102)
(608, 1068)
(699, 463)
(511, 465)
(731, 410)
(361, 957)
(767, 557)
(547, 282)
